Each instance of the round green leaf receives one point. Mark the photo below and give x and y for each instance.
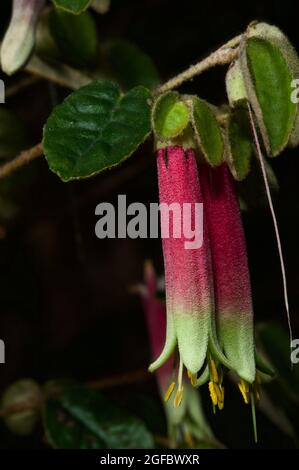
(239, 144)
(207, 131)
(268, 80)
(95, 128)
(279, 39)
(170, 116)
(75, 36)
(72, 6)
(84, 419)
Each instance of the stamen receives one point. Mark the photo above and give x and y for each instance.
(213, 371)
(169, 391)
(218, 393)
(193, 379)
(180, 375)
(179, 393)
(220, 405)
(213, 393)
(220, 397)
(244, 389)
(178, 397)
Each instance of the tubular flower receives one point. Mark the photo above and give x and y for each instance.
(188, 275)
(233, 304)
(187, 421)
(19, 39)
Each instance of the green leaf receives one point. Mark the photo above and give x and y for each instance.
(75, 36)
(239, 148)
(268, 80)
(95, 128)
(279, 39)
(72, 6)
(83, 418)
(170, 116)
(131, 66)
(207, 131)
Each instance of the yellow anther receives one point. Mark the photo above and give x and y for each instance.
(169, 391)
(189, 374)
(193, 379)
(221, 399)
(213, 371)
(245, 386)
(244, 389)
(218, 392)
(213, 393)
(220, 405)
(178, 397)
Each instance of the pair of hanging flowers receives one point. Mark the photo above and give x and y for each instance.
(208, 294)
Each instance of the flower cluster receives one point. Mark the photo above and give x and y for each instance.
(208, 294)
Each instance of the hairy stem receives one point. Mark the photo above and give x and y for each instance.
(22, 159)
(224, 55)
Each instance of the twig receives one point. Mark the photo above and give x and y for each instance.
(20, 85)
(60, 74)
(122, 379)
(22, 159)
(102, 384)
(224, 55)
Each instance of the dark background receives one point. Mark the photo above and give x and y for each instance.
(66, 310)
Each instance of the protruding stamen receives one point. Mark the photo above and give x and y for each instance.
(169, 391)
(221, 400)
(220, 405)
(193, 378)
(213, 393)
(214, 372)
(244, 389)
(180, 374)
(218, 393)
(178, 397)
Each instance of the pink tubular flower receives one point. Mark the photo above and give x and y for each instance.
(188, 275)
(233, 304)
(188, 421)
